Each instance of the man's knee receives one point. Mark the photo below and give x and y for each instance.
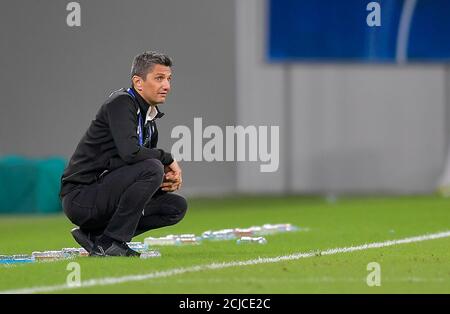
(152, 168)
(178, 206)
(181, 204)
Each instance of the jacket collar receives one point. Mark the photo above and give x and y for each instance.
(152, 112)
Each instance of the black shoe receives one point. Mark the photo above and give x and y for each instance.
(116, 249)
(82, 239)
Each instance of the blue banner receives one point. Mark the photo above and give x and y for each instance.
(348, 31)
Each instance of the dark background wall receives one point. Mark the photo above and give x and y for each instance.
(55, 77)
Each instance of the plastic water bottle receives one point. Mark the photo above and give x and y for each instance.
(187, 235)
(256, 230)
(12, 259)
(272, 229)
(137, 246)
(225, 234)
(5, 259)
(269, 229)
(286, 227)
(188, 239)
(150, 254)
(74, 252)
(247, 232)
(83, 252)
(258, 240)
(48, 255)
(219, 235)
(161, 241)
(207, 234)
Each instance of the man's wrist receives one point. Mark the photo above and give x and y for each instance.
(166, 158)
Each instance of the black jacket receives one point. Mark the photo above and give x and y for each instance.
(111, 141)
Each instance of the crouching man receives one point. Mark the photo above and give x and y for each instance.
(118, 184)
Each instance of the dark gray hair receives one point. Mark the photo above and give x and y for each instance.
(143, 63)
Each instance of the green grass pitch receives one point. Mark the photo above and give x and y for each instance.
(419, 267)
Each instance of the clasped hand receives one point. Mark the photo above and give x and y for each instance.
(172, 177)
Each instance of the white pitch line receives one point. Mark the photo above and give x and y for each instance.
(262, 260)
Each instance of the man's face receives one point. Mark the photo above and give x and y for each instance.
(156, 86)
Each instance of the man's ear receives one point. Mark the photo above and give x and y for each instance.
(137, 82)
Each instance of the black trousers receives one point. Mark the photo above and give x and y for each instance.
(125, 202)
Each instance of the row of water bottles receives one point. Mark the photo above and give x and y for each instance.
(65, 253)
(69, 253)
(172, 239)
(252, 234)
(229, 234)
